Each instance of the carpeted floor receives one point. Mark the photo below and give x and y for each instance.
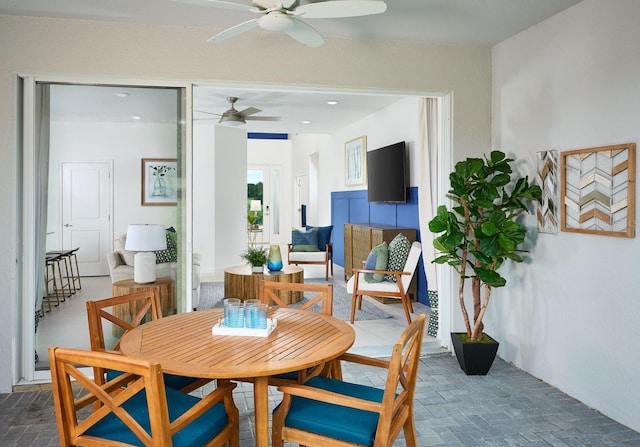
(212, 293)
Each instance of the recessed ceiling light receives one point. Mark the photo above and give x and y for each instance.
(332, 103)
(122, 94)
(136, 117)
(306, 122)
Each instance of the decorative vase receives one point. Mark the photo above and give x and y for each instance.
(475, 358)
(274, 264)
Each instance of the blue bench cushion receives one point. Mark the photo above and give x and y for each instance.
(198, 433)
(335, 421)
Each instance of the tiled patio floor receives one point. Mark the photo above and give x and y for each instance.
(505, 408)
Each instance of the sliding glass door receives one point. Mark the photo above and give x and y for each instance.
(51, 137)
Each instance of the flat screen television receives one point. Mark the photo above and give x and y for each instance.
(387, 174)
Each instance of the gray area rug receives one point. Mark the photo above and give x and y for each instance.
(212, 294)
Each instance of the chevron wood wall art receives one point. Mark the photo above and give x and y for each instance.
(547, 179)
(598, 190)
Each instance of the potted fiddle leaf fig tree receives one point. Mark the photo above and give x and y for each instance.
(477, 236)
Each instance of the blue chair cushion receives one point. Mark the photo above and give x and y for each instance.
(377, 260)
(304, 240)
(324, 235)
(292, 375)
(198, 433)
(335, 421)
(170, 380)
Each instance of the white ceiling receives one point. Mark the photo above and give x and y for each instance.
(465, 22)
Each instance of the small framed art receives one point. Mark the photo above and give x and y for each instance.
(355, 152)
(159, 181)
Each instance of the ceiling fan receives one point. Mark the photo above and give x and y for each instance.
(233, 117)
(283, 16)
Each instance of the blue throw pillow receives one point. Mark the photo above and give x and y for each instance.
(324, 235)
(304, 240)
(377, 260)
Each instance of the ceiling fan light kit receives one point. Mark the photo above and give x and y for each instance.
(276, 21)
(286, 16)
(231, 120)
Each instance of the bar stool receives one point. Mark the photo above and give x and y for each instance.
(62, 284)
(51, 281)
(71, 267)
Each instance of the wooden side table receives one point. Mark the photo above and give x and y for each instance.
(165, 288)
(240, 282)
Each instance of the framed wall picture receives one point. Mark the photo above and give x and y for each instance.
(355, 152)
(159, 182)
(598, 190)
(547, 179)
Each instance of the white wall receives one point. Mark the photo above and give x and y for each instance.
(398, 122)
(126, 144)
(125, 51)
(570, 316)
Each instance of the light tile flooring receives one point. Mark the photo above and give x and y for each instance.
(66, 325)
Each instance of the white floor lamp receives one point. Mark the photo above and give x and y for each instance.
(145, 239)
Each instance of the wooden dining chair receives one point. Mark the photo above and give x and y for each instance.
(327, 412)
(135, 408)
(320, 299)
(144, 306)
(269, 293)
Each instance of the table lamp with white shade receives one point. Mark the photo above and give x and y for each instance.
(145, 239)
(255, 206)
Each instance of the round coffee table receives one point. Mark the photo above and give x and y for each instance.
(240, 282)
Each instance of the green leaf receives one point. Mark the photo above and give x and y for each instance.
(497, 156)
(490, 277)
(489, 228)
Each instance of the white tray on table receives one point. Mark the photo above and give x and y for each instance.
(221, 329)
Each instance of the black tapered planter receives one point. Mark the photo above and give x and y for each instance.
(475, 358)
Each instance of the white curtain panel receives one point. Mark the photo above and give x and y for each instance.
(428, 149)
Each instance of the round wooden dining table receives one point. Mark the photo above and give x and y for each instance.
(183, 344)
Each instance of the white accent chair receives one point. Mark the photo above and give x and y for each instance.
(359, 287)
(313, 257)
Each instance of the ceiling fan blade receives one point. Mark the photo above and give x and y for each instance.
(208, 113)
(340, 8)
(262, 118)
(249, 111)
(304, 33)
(234, 31)
(220, 4)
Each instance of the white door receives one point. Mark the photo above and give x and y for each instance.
(268, 178)
(86, 214)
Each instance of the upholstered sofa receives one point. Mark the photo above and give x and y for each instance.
(121, 267)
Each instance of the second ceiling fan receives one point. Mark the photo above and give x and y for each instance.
(234, 117)
(285, 16)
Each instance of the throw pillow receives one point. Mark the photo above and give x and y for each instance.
(304, 240)
(377, 260)
(171, 253)
(127, 256)
(399, 249)
(324, 235)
